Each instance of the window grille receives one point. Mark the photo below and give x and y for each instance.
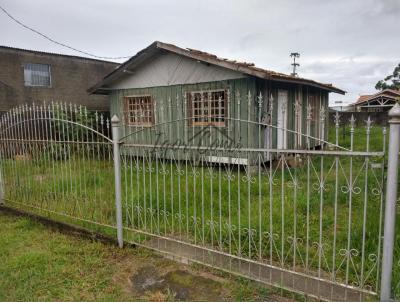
(207, 108)
(139, 110)
(37, 75)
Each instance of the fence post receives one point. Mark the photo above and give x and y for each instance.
(1, 189)
(390, 204)
(117, 175)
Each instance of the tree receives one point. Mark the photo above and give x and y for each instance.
(391, 81)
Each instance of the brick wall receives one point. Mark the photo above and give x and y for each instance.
(70, 78)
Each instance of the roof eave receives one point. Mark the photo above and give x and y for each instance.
(372, 99)
(243, 69)
(97, 89)
(328, 88)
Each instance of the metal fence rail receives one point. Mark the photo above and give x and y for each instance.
(309, 218)
(299, 221)
(57, 160)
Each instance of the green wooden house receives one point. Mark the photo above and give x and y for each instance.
(174, 96)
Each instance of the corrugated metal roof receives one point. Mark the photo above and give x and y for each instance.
(244, 67)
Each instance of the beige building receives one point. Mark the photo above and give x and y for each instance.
(28, 76)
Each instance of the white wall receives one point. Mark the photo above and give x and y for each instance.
(171, 69)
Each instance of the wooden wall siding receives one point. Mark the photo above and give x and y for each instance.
(268, 89)
(323, 100)
(239, 132)
(304, 112)
(243, 133)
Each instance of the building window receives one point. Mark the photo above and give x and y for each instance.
(138, 110)
(207, 108)
(37, 75)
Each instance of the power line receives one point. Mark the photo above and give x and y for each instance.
(56, 42)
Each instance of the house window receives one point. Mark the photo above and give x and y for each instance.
(37, 75)
(138, 110)
(207, 108)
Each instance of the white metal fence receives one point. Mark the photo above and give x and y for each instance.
(57, 159)
(308, 220)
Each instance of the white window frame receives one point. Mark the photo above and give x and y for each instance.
(29, 84)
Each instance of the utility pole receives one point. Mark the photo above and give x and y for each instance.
(295, 55)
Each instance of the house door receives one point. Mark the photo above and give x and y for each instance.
(282, 119)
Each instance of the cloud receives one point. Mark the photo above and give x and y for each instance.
(355, 75)
(386, 8)
(349, 43)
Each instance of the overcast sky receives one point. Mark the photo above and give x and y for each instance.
(350, 43)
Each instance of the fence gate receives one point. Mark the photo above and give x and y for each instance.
(308, 220)
(57, 161)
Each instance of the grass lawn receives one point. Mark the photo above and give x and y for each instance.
(38, 263)
(300, 227)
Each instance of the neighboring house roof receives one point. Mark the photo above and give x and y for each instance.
(53, 54)
(243, 67)
(362, 98)
(386, 93)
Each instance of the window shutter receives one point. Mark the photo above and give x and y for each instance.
(189, 108)
(126, 110)
(152, 115)
(226, 108)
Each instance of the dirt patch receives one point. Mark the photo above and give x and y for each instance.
(178, 284)
(147, 279)
(145, 276)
